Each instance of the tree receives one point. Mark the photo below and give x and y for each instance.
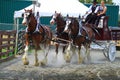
(90, 1)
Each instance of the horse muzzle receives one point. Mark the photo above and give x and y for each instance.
(24, 24)
(52, 22)
(66, 31)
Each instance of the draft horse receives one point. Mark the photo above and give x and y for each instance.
(43, 37)
(60, 34)
(73, 26)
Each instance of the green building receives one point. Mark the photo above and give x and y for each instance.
(7, 8)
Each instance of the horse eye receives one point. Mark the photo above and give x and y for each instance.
(54, 19)
(22, 14)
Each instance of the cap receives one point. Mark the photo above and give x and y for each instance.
(94, 1)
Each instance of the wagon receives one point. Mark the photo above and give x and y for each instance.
(107, 38)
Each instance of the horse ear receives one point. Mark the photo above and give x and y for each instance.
(67, 15)
(55, 11)
(31, 10)
(79, 17)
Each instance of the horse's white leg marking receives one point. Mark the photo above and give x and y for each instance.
(36, 59)
(26, 52)
(80, 59)
(88, 56)
(24, 58)
(68, 53)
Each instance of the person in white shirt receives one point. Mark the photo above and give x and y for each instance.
(101, 12)
(38, 22)
(92, 12)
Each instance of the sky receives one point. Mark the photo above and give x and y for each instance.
(117, 2)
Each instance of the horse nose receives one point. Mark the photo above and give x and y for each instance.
(65, 31)
(52, 22)
(24, 23)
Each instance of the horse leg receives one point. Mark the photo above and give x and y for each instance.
(80, 60)
(73, 50)
(54, 60)
(25, 56)
(88, 53)
(36, 63)
(67, 57)
(36, 58)
(47, 48)
(57, 45)
(64, 47)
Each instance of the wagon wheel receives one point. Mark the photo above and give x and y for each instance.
(105, 52)
(110, 51)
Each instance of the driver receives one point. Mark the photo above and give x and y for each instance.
(92, 12)
(38, 22)
(101, 12)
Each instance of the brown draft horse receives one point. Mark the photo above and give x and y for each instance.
(60, 25)
(43, 37)
(87, 34)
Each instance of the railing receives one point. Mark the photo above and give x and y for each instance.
(7, 44)
(21, 40)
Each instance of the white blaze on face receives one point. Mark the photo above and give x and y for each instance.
(25, 18)
(52, 21)
(67, 25)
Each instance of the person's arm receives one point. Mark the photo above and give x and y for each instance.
(96, 10)
(104, 11)
(89, 10)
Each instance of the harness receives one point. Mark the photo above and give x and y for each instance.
(82, 28)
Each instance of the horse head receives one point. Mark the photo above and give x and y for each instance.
(72, 25)
(56, 18)
(59, 20)
(67, 26)
(29, 19)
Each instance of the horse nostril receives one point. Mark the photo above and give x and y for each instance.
(24, 23)
(51, 22)
(66, 31)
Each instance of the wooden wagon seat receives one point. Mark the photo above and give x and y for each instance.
(103, 29)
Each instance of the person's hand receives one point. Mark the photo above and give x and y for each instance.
(98, 14)
(86, 13)
(93, 13)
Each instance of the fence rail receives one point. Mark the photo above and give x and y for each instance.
(21, 40)
(7, 44)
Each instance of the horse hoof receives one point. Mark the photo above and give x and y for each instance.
(42, 63)
(68, 61)
(36, 64)
(79, 62)
(68, 58)
(25, 61)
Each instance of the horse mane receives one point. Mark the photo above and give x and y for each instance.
(61, 18)
(32, 25)
(74, 26)
(73, 19)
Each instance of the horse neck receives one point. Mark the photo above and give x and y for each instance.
(60, 22)
(60, 25)
(32, 24)
(75, 28)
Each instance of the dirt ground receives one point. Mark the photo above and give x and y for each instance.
(99, 68)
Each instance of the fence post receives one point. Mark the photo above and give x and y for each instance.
(17, 28)
(0, 44)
